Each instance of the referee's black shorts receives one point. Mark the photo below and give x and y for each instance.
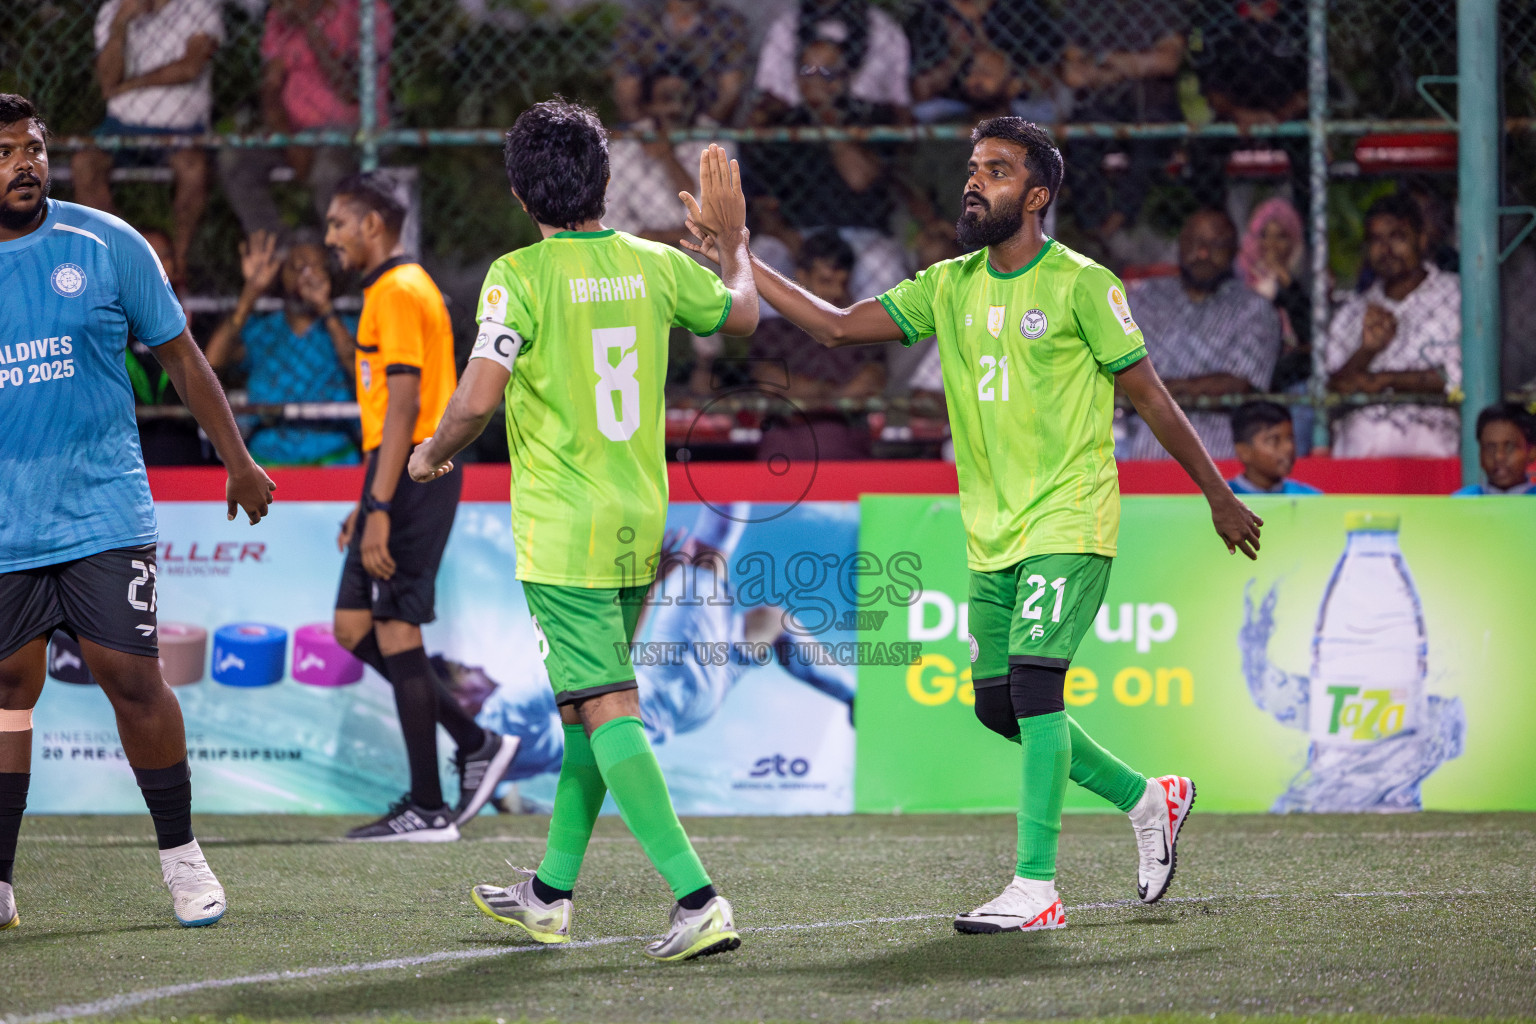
(108, 597)
(420, 519)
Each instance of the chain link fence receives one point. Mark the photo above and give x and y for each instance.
(210, 120)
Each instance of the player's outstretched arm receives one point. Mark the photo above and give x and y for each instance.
(249, 487)
(863, 323)
(1235, 522)
(473, 404)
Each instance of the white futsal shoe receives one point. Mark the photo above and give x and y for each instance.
(1026, 905)
(1157, 819)
(196, 894)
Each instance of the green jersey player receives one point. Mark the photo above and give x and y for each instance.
(573, 338)
(1033, 339)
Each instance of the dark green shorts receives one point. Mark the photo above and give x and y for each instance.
(1034, 613)
(584, 637)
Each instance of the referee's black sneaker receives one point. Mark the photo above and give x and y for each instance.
(408, 823)
(481, 771)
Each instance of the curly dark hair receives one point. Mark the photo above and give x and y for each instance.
(557, 162)
(15, 108)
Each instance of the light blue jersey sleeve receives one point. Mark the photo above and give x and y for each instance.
(149, 302)
(1289, 486)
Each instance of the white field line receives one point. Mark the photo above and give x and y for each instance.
(116, 1004)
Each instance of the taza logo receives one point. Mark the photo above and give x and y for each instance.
(68, 280)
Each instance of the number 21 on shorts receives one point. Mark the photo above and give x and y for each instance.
(1030, 611)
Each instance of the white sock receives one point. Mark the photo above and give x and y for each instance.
(1151, 804)
(176, 853)
(1036, 889)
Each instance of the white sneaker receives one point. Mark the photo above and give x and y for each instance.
(704, 932)
(1156, 819)
(9, 918)
(196, 894)
(517, 904)
(1026, 905)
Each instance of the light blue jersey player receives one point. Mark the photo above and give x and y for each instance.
(77, 524)
(685, 692)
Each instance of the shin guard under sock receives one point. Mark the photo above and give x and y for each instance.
(168, 795)
(578, 799)
(629, 768)
(1047, 748)
(13, 801)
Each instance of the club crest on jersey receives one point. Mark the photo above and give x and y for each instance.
(996, 317)
(975, 647)
(68, 280)
(1033, 325)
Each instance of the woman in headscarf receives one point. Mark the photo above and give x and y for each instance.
(1270, 262)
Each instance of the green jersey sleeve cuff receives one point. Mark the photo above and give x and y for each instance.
(725, 314)
(911, 336)
(1127, 360)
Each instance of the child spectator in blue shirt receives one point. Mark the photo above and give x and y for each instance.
(1265, 442)
(1504, 435)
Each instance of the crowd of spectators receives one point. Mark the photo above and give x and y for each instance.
(850, 214)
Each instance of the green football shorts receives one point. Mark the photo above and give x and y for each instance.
(1035, 612)
(585, 636)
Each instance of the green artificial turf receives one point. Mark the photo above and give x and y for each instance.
(1304, 917)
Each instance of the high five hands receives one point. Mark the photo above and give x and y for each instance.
(721, 208)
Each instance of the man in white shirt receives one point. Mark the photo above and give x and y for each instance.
(153, 62)
(1404, 335)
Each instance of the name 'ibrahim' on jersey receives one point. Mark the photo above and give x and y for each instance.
(587, 315)
(72, 479)
(1028, 361)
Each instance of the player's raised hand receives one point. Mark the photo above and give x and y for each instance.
(249, 488)
(1237, 524)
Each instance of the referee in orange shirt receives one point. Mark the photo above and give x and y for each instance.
(405, 375)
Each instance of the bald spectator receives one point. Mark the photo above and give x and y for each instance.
(1403, 334)
(1207, 334)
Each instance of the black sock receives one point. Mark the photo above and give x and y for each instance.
(416, 703)
(548, 893)
(467, 736)
(168, 795)
(695, 900)
(368, 650)
(13, 800)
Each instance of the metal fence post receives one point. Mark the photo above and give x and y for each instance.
(367, 82)
(1317, 131)
(1477, 60)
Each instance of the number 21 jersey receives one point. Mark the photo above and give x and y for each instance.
(1029, 360)
(588, 316)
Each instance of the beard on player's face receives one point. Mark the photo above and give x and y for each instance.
(14, 214)
(993, 224)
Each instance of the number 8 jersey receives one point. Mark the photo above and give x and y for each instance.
(1029, 360)
(587, 315)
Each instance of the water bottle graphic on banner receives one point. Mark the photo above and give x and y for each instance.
(1369, 651)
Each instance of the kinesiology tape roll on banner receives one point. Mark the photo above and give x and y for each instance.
(249, 654)
(318, 660)
(66, 663)
(183, 652)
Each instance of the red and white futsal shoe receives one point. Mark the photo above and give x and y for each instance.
(1156, 819)
(1026, 905)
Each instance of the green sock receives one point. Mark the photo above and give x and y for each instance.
(634, 778)
(1099, 771)
(578, 799)
(1047, 748)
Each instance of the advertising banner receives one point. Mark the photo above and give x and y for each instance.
(742, 687)
(1375, 658)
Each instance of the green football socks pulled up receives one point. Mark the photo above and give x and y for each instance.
(629, 768)
(1046, 745)
(578, 799)
(1102, 773)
